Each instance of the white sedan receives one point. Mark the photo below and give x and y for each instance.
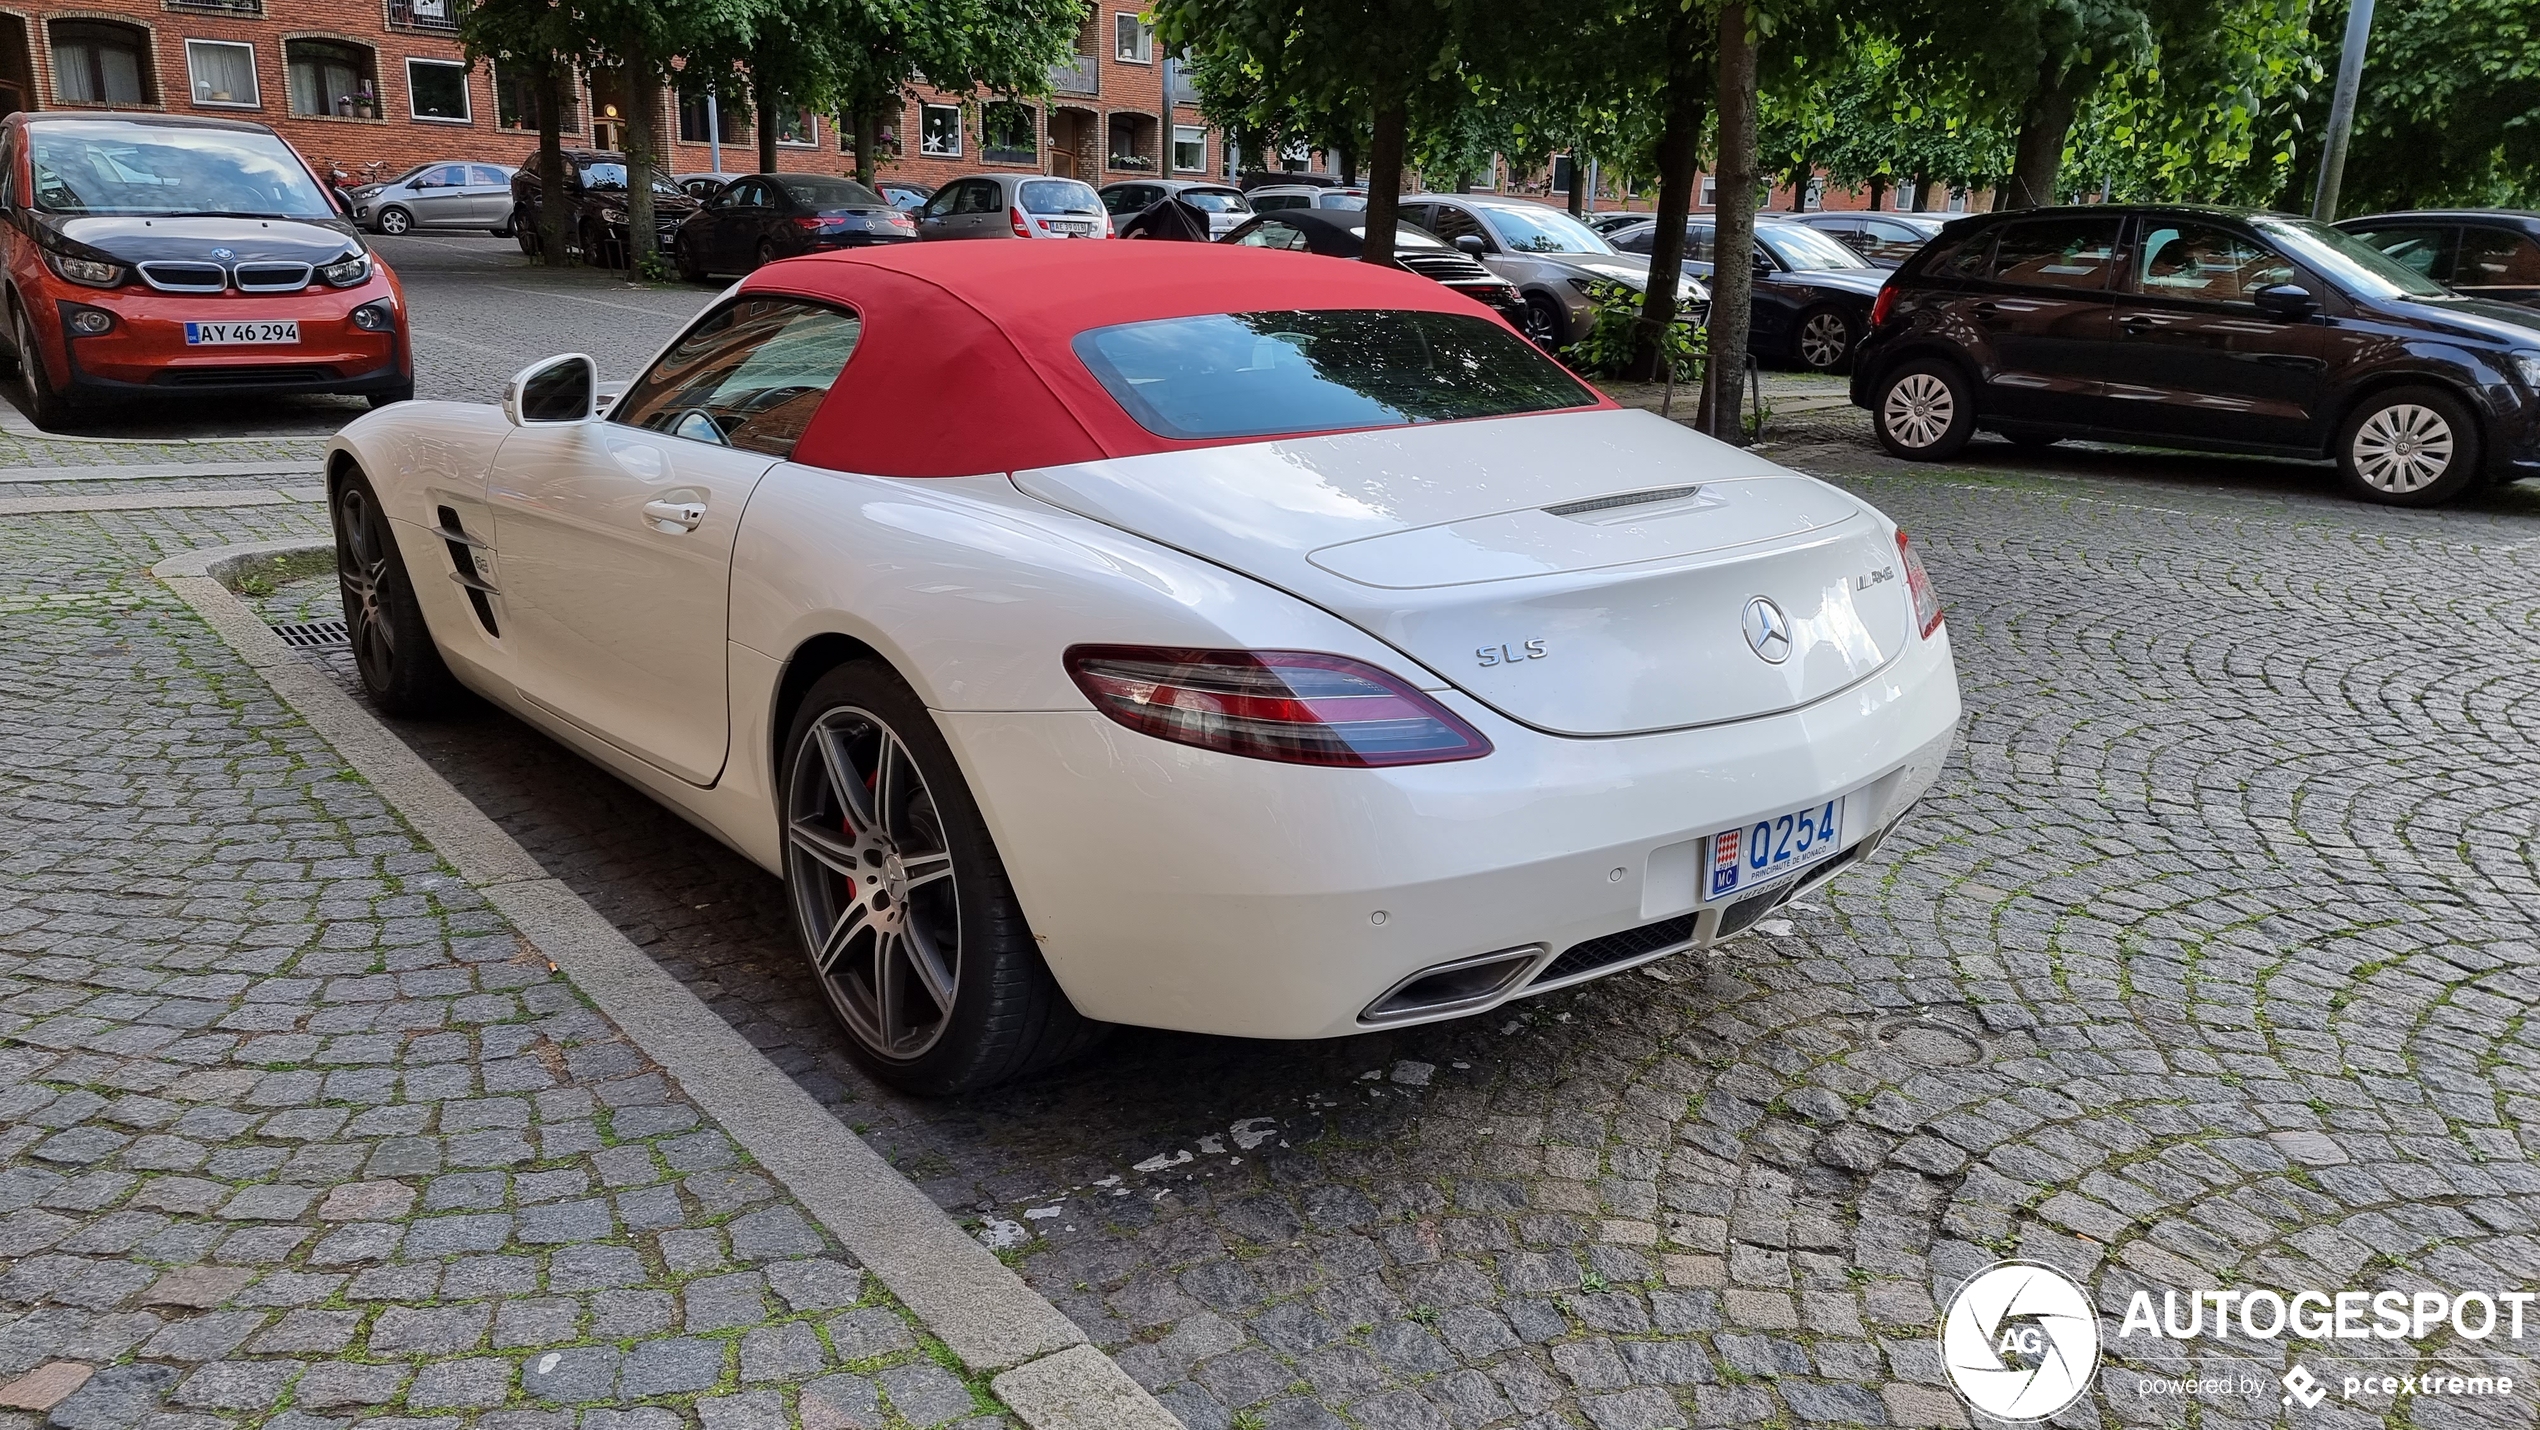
(1166, 634)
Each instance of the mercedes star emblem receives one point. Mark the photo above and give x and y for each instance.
(1768, 630)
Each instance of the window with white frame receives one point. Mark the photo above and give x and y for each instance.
(939, 129)
(222, 72)
(1710, 193)
(1133, 43)
(438, 89)
(1190, 148)
(797, 126)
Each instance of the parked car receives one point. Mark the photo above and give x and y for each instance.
(595, 188)
(760, 218)
(1886, 238)
(1271, 197)
(444, 194)
(1223, 203)
(1013, 206)
(702, 186)
(2208, 328)
(1314, 591)
(1614, 221)
(1812, 295)
(906, 195)
(1336, 234)
(148, 254)
(2484, 253)
(1551, 257)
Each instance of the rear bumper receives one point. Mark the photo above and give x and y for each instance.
(1172, 887)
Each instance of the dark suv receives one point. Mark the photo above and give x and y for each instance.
(595, 207)
(2206, 328)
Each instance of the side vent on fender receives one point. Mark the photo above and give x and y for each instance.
(463, 549)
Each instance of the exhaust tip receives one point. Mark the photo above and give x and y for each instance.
(1456, 987)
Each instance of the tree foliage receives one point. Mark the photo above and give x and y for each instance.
(2449, 112)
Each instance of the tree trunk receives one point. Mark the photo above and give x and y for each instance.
(1802, 174)
(1578, 183)
(1679, 167)
(2043, 124)
(1878, 192)
(1384, 178)
(868, 140)
(643, 106)
(1732, 251)
(551, 226)
(1347, 153)
(1922, 191)
(763, 94)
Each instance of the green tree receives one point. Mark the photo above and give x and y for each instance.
(2449, 112)
(544, 41)
(864, 58)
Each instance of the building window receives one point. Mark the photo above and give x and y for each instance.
(95, 62)
(797, 126)
(1009, 133)
(1710, 193)
(694, 125)
(331, 77)
(1132, 142)
(222, 73)
(1190, 148)
(939, 129)
(516, 102)
(888, 139)
(1132, 42)
(438, 89)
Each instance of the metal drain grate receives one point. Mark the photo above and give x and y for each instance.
(328, 634)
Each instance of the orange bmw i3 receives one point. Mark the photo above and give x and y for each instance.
(147, 254)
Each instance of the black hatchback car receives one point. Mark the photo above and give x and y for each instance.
(2483, 253)
(760, 218)
(2204, 328)
(1812, 294)
(1342, 233)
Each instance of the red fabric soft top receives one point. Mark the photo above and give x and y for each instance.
(964, 365)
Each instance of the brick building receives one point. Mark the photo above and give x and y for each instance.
(358, 82)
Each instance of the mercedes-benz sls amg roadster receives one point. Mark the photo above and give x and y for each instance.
(1164, 634)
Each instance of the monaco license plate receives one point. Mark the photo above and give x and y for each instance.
(222, 335)
(1754, 855)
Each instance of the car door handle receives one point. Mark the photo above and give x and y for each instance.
(1987, 311)
(2137, 324)
(681, 515)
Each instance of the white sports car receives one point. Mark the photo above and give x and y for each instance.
(1168, 634)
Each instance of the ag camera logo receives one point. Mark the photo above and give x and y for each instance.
(2020, 1341)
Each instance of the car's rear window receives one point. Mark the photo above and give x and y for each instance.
(1260, 374)
(1059, 196)
(823, 192)
(1216, 201)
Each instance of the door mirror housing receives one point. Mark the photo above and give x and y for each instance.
(556, 393)
(1472, 243)
(2286, 301)
(343, 201)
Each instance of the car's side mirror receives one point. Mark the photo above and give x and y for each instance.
(343, 202)
(1763, 266)
(555, 393)
(2286, 301)
(1472, 243)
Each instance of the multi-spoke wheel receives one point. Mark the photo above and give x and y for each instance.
(1543, 322)
(900, 902)
(1923, 411)
(2410, 446)
(1825, 339)
(401, 669)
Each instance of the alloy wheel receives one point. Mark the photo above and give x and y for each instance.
(361, 567)
(1919, 409)
(1823, 340)
(2403, 448)
(873, 883)
(394, 221)
(1540, 324)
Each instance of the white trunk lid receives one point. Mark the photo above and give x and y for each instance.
(1585, 573)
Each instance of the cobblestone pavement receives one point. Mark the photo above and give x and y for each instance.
(2208, 964)
(293, 1130)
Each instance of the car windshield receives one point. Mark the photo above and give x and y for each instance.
(1059, 196)
(609, 177)
(1256, 374)
(1214, 201)
(110, 167)
(1799, 246)
(1404, 236)
(1542, 230)
(2356, 265)
(824, 193)
(410, 173)
(1352, 202)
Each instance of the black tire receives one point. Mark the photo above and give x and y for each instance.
(1823, 339)
(401, 669)
(402, 392)
(1543, 322)
(45, 407)
(599, 249)
(525, 232)
(1924, 411)
(394, 221)
(683, 256)
(952, 918)
(2409, 446)
(766, 252)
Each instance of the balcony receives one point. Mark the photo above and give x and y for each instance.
(1184, 92)
(1079, 76)
(249, 8)
(435, 15)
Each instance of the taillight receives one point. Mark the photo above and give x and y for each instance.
(1296, 707)
(1021, 229)
(812, 224)
(1882, 305)
(1918, 586)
